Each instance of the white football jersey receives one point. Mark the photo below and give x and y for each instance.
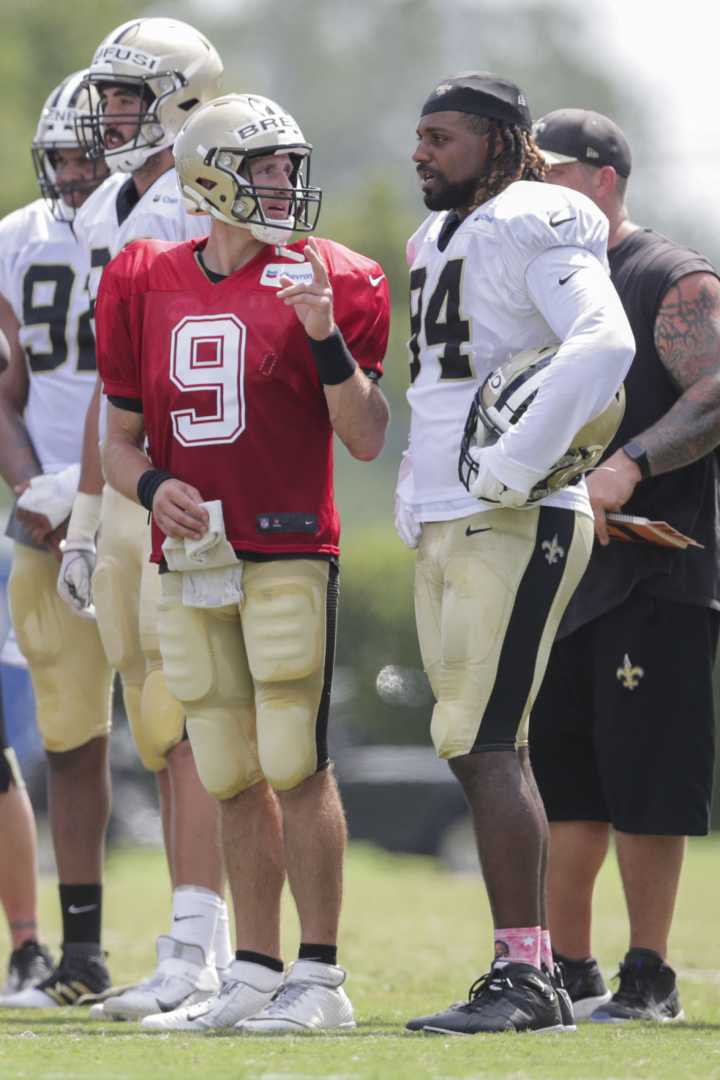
(159, 214)
(501, 284)
(104, 226)
(43, 276)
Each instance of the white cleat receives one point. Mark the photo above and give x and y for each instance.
(310, 1000)
(246, 989)
(30, 998)
(182, 977)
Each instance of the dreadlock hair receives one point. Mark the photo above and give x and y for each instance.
(512, 155)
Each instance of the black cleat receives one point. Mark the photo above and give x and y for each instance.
(566, 1006)
(584, 984)
(79, 979)
(511, 997)
(647, 991)
(29, 964)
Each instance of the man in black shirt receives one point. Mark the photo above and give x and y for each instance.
(622, 731)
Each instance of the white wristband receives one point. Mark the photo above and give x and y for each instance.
(85, 518)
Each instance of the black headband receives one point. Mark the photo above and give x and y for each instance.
(480, 95)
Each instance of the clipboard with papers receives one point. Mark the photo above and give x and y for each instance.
(633, 529)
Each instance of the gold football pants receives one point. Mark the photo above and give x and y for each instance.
(490, 591)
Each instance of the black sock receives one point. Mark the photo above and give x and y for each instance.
(323, 954)
(81, 907)
(259, 958)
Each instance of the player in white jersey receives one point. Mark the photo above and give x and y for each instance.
(149, 75)
(45, 313)
(503, 264)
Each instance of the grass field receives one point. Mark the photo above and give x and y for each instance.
(414, 938)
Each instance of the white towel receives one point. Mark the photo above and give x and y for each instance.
(52, 494)
(211, 571)
(210, 551)
(217, 587)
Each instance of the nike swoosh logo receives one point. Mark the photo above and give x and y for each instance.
(375, 281)
(555, 221)
(471, 532)
(80, 910)
(182, 918)
(564, 280)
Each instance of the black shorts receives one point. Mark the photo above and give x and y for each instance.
(623, 728)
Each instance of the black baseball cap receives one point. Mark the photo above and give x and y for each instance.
(568, 135)
(482, 94)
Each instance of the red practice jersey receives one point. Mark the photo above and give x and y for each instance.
(227, 384)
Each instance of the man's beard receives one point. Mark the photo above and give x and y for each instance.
(452, 196)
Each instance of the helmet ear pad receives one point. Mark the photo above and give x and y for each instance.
(503, 399)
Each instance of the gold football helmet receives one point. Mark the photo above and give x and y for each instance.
(213, 157)
(171, 66)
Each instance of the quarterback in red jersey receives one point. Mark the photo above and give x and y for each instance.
(225, 378)
(237, 358)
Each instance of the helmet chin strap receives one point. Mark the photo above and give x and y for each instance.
(269, 234)
(128, 158)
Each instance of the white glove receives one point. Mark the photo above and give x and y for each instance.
(407, 526)
(75, 577)
(52, 494)
(486, 485)
(79, 555)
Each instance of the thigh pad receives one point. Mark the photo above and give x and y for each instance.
(284, 618)
(70, 674)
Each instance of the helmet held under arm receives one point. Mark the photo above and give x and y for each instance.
(504, 398)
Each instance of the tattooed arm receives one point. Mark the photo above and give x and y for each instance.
(687, 338)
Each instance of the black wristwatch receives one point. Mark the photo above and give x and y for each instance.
(638, 454)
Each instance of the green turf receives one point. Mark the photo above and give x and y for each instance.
(414, 938)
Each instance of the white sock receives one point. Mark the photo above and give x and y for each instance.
(194, 916)
(224, 954)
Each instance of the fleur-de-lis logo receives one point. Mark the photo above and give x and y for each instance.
(629, 674)
(552, 550)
